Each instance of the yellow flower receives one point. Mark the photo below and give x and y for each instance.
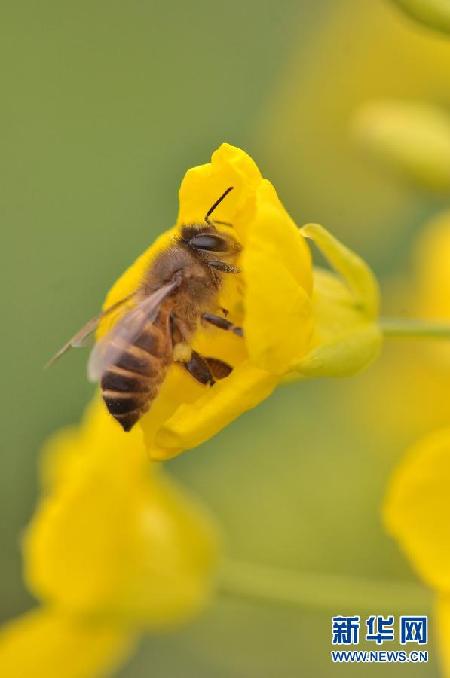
(417, 514)
(408, 392)
(46, 643)
(113, 549)
(432, 256)
(297, 323)
(304, 130)
(413, 137)
(113, 536)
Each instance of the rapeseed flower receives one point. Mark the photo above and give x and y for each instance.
(304, 131)
(432, 256)
(114, 549)
(411, 136)
(409, 412)
(417, 515)
(298, 322)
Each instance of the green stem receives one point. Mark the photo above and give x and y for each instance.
(414, 329)
(336, 593)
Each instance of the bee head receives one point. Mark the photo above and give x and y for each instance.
(209, 244)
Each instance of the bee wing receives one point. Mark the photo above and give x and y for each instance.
(126, 331)
(79, 339)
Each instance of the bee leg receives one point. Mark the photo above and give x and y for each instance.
(175, 331)
(198, 368)
(219, 368)
(222, 323)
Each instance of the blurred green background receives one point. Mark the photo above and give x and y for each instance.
(104, 107)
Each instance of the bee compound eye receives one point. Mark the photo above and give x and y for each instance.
(208, 242)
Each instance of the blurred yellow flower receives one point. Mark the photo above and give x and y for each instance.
(47, 643)
(113, 549)
(296, 323)
(413, 137)
(305, 133)
(432, 13)
(431, 259)
(408, 392)
(417, 514)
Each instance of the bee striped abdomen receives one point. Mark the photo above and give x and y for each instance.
(131, 384)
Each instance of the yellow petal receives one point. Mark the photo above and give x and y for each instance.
(114, 539)
(192, 424)
(432, 290)
(45, 643)
(203, 185)
(276, 265)
(417, 508)
(412, 137)
(432, 256)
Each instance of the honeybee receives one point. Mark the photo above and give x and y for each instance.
(178, 291)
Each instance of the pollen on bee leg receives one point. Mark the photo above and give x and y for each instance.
(182, 352)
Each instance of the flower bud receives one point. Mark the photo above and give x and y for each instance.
(412, 137)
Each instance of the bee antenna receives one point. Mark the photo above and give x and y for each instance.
(217, 203)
